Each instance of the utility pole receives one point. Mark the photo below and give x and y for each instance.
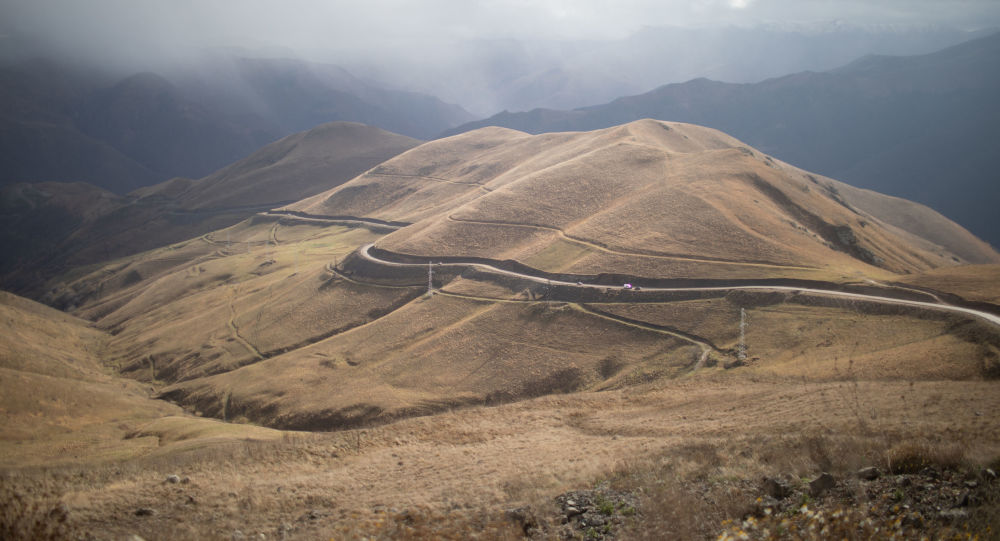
(430, 279)
(741, 348)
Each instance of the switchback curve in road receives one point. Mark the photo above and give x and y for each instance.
(985, 316)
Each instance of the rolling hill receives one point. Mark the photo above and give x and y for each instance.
(917, 127)
(62, 405)
(278, 320)
(786, 323)
(52, 227)
(668, 198)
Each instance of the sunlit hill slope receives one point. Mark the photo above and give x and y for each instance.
(279, 321)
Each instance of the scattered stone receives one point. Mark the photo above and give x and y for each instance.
(134, 537)
(954, 516)
(760, 507)
(313, 514)
(59, 513)
(821, 484)
(989, 474)
(173, 479)
(185, 480)
(524, 517)
(776, 488)
(593, 514)
(144, 512)
(903, 481)
(237, 535)
(929, 472)
(913, 520)
(870, 473)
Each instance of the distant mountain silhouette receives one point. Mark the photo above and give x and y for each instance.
(69, 124)
(48, 227)
(918, 127)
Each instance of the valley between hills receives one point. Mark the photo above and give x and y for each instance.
(444, 344)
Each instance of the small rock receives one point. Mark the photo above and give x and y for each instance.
(134, 537)
(766, 502)
(971, 484)
(237, 535)
(903, 481)
(821, 484)
(174, 479)
(570, 503)
(572, 512)
(776, 488)
(523, 517)
(870, 473)
(913, 520)
(929, 472)
(954, 515)
(144, 512)
(59, 513)
(185, 480)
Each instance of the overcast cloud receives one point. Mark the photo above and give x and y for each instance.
(139, 31)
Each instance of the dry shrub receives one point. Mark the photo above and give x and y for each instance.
(422, 524)
(677, 499)
(30, 512)
(912, 457)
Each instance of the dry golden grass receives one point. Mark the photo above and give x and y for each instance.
(61, 405)
(297, 166)
(454, 407)
(972, 282)
(455, 473)
(647, 198)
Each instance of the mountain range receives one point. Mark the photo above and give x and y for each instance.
(64, 123)
(50, 227)
(490, 75)
(918, 127)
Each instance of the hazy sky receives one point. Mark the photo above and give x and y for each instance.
(133, 31)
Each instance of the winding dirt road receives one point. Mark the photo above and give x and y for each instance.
(939, 306)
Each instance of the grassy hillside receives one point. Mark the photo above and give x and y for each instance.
(62, 405)
(540, 390)
(650, 198)
(917, 127)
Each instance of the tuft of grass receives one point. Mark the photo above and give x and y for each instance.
(913, 457)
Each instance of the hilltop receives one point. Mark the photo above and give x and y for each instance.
(650, 198)
(917, 127)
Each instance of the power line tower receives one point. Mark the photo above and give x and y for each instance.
(430, 279)
(741, 348)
